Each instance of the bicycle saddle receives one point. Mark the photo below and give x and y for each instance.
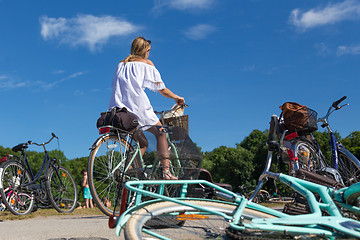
(20, 147)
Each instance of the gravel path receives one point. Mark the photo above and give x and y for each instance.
(75, 227)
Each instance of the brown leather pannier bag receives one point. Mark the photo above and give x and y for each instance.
(298, 118)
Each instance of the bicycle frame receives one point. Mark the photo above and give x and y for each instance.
(312, 223)
(136, 153)
(45, 166)
(301, 224)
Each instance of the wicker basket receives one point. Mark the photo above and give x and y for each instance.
(299, 118)
(181, 121)
(306, 124)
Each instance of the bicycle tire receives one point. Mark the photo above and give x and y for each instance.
(194, 226)
(349, 171)
(61, 189)
(308, 157)
(107, 153)
(13, 175)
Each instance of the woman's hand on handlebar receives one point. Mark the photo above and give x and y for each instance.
(180, 100)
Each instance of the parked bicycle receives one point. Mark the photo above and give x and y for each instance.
(185, 218)
(344, 167)
(20, 188)
(115, 158)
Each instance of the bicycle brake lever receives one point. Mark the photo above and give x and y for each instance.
(347, 104)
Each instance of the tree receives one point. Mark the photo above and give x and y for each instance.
(230, 165)
(75, 166)
(352, 143)
(256, 144)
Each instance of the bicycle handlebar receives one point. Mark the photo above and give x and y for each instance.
(336, 107)
(174, 109)
(336, 103)
(43, 144)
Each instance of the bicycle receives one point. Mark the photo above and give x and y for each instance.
(53, 184)
(186, 218)
(115, 157)
(345, 167)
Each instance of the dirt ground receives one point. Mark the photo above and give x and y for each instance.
(65, 227)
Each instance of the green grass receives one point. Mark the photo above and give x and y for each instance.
(7, 216)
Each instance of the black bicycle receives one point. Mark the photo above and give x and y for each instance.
(52, 185)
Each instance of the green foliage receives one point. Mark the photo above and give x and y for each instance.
(230, 165)
(256, 144)
(352, 143)
(75, 166)
(5, 151)
(323, 139)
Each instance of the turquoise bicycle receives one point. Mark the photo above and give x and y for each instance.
(237, 217)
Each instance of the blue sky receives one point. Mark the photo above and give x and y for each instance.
(234, 62)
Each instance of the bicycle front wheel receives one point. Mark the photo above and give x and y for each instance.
(349, 171)
(14, 195)
(61, 189)
(106, 164)
(308, 157)
(174, 221)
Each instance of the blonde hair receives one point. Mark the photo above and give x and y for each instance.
(139, 47)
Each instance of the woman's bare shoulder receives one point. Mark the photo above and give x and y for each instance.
(147, 61)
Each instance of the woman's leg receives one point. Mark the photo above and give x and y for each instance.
(163, 151)
(143, 142)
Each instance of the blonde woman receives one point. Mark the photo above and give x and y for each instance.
(131, 77)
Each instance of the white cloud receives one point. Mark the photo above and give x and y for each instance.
(58, 72)
(7, 83)
(48, 86)
(183, 4)
(352, 50)
(85, 30)
(331, 14)
(200, 31)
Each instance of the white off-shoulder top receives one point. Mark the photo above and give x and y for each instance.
(128, 90)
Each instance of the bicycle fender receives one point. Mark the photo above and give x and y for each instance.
(99, 139)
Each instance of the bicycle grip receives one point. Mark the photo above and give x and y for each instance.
(336, 103)
(271, 142)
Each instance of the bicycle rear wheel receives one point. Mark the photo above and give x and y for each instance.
(13, 176)
(61, 189)
(176, 221)
(105, 170)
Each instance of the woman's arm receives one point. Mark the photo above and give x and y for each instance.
(169, 94)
